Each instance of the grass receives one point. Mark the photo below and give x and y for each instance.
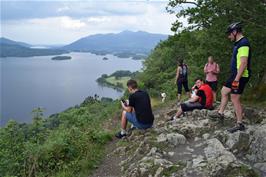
(115, 81)
(155, 102)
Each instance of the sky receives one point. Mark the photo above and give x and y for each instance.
(63, 22)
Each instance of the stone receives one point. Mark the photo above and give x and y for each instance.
(206, 136)
(238, 141)
(158, 172)
(219, 159)
(171, 153)
(199, 162)
(189, 149)
(143, 171)
(176, 138)
(252, 115)
(258, 144)
(197, 139)
(162, 162)
(196, 113)
(152, 151)
(161, 138)
(215, 150)
(261, 166)
(229, 114)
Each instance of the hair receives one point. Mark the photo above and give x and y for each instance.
(198, 78)
(211, 57)
(132, 83)
(180, 61)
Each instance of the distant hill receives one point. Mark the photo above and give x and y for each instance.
(13, 50)
(120, 43)
(124, 44)
(11, 42)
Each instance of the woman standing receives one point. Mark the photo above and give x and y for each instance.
(211, 70)
(181, 79)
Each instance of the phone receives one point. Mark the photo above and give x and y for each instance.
(125, 103)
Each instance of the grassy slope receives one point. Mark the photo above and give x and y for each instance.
(121, 80)
(70, 143)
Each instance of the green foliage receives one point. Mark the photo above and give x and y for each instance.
(66, 144)
(205, 36)
(121, 73)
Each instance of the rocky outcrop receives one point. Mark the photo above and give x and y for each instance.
(195, 146)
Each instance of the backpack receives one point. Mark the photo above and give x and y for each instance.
(183, 71)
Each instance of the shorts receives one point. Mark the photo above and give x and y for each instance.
(213, 85)
(179, 86)
(131, 117)
(190, 106)
(242, 83)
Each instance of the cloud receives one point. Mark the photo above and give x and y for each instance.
(69, 23)
(64, 8)
(65, 22)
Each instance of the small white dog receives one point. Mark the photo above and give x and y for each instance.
(163, 95)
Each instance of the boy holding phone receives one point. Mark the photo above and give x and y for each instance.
(138, 111)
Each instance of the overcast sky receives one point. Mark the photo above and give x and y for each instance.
(62, 22)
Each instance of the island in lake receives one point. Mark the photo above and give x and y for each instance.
(105, 58)
(61, 58)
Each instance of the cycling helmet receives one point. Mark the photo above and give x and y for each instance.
(234, 26)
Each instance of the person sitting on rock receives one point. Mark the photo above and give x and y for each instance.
(138, 111)
(202, 100)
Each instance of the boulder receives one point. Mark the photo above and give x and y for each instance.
(258, 144)
(219, 159)
(238, 141)
(261, 167)
(176, 138)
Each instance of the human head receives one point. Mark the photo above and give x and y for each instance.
(180, 61)
(233, 30)
(132, 85)
(199, 82)
(210, 59)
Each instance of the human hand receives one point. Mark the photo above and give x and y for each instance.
(235, 85)
(122, 104)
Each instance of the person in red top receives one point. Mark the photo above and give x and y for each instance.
(202, 100)
(211, 70)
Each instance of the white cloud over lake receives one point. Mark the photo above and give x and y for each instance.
(64, 22)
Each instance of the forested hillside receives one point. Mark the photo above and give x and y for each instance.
(205, 35)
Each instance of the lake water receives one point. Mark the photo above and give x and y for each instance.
(28, 83)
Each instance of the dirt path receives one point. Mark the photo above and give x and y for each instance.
(109, 166)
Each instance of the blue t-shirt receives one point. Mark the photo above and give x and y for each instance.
(241, 49)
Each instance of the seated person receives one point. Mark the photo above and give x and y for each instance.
(202, 100)
(138, 111)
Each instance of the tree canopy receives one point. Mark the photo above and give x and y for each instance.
(203, 35)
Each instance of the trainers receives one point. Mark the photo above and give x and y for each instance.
(132, 128)
(120, 135)
(239, 126)
(216, 114)
(171, 119)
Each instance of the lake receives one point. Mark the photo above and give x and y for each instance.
(31, 82)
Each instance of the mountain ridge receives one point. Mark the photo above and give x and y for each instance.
(123, 44)
(125, 41)
(4, 40)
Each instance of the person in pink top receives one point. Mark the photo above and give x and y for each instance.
(211, 70)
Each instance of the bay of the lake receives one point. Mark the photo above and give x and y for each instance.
(31, 82)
